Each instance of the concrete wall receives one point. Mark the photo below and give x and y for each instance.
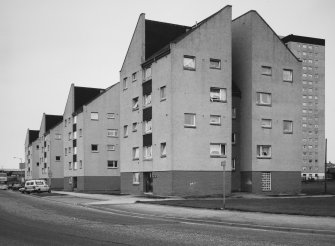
(236, 175)
(56, 149)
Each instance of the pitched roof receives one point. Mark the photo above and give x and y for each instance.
(303, 39)
(51, 121)
(33, 135)
(83, 95)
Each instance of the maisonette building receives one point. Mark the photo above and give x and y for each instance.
(32, 145)
(51, 166)
(175, 108)
(91, 140)
(267, 74)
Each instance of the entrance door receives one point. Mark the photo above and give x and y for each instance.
(147, 178)
(74, 183)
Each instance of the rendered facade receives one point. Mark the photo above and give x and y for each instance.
(32, 155)
(223, 101)
(91, 141)
(311, 51)
(51, 150)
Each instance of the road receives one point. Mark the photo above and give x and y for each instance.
(29, 220)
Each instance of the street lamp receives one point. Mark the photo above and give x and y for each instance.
(223, 164)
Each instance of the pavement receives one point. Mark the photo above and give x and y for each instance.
(126, 205)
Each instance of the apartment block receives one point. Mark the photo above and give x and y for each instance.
(311, 51)
(268, 75)
(51, 166)
(175, 108)
(91, 140)
(32, 155)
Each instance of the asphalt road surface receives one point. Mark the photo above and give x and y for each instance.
(29, 220)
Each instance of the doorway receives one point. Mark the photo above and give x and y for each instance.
(147, 178)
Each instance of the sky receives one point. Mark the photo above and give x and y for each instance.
(45, 45)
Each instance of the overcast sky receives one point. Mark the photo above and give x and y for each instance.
(45, 45)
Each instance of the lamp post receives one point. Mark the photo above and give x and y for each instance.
(223, 164)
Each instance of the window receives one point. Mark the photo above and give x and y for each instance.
(147, 100)
(147, 126)
(110, 147)
(288, 75)
(111, 164)
(75, 165)
(134, 128)
(266, 123)
(189, 63)
(136, 178)
(94, 116)
(233, 138)
(136, 153)
(288, 126)
(266, 181)
(57, 158)
(70, 135)
(134, 77)
(112, 133)
(233, 113)
(147, 152)
(264, 98)
(65, 151)
(135, 105)
(124, 84)
(75, 119)
(70, 165)
(37, 147)
(94, 148)
(233, 164)
(263, 151)
(57, 137)
(217, 150)
(147, 73)
(163, 149)
(69, 150)
(214, 63)
(189, 120)
(110, 116)
(266, 70)
(215, 119)
(162, 92)
(81, 164)
(218, 94)
(125, 131)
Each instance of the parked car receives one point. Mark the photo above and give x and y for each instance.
(16, 186)
(3, 187)
(35, 186)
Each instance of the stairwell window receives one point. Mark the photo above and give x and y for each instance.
(288, 126)
(189, 63)
(233, 138)
(136, 153)
(147, 73)
(147, 152)
(218, 94)
(264, 99)
(266, 181)
(287, 75)
(189, 120)
(135, 105)
(136, 178)
(214, 63)
(147, 100)
(163, 150)
(263, 151)
(147, 127)
(266, 70)
(217, 150)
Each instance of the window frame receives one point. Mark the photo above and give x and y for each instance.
(145, 156)
(94, 118)
(266, 126)
(135, 104)
(259, 149)
(185, 66)
(112, 164)
(215, 123)
(136, 150)
(222, 154)
(110, 147)
(290, 131)
(266, 182)
(136, 178)
(259, 100)
(265, 69)
(125, 83)
(211, 60)
(97, 148)
(162, 89)
(163, 150)
(110, 115)
(291, 75)
(194, 120)
(125, 131)
(214, 99)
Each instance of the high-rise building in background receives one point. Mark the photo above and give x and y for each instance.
(311, 51)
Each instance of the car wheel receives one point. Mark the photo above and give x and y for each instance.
(49, 191)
